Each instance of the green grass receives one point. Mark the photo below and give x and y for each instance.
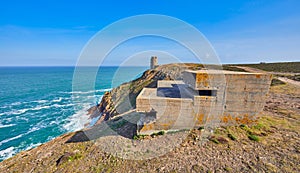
(139, 137)
(259, 126)
(293, 67)
(243, 126)
(177, 131)
(253, 137)
(232, 137)
(158, 133)
(215, 140)
(74, 157)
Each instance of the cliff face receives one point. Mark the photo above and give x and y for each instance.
(122, 99)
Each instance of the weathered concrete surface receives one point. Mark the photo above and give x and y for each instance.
(239, 98)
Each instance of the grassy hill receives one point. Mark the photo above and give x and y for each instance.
(293, 67)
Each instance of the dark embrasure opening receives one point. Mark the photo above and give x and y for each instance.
(207, 92)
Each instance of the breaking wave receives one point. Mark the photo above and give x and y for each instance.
(78, 120)
(88, 92)
(7, 125)
(10, 139)
(8, 152)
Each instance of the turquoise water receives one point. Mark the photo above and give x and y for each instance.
(37, 103)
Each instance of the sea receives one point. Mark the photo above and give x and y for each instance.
(38, 104)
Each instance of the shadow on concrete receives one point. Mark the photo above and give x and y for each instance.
(176, 91)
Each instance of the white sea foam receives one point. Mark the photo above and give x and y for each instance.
(18, 118)
(37, 108)
(53, 122)
(104, 90)
(90, 97)
(57, 100)
(10, 113)
(6, 153)
(76, 97)
(69, 105)
(40, 108)
(78, 120)
(18, 112)
(10, 139)
(9, 152)
(64, 105)
(88, 92)
(32, 145)
(8, 120)
(40, 101)
(7, 125)
(35, 128)
(50, 138)
(24, 102)
(3, 107)
(21, 111)
(16, 103)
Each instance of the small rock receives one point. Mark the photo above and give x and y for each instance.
(64, 158)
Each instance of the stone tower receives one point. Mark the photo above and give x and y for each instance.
(153, 62)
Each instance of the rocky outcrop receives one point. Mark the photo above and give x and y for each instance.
(122, 98)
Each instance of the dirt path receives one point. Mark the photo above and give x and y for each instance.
(250, 69)
(283, 79)
(286, 80)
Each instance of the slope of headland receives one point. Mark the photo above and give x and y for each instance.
(271, 145)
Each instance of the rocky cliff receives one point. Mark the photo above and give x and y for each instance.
(122, 99)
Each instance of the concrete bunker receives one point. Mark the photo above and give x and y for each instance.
(202, 97)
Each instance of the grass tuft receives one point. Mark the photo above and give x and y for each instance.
(215, 140)
(232, 137)
(74, 157)
(139, 137)
(158, 133)
(253, 137)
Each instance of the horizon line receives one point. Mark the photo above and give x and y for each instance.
(143, 65)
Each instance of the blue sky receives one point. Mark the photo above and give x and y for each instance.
(34, 33)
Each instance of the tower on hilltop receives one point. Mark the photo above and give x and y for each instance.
(153, 62)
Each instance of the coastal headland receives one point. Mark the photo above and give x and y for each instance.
(271, 144)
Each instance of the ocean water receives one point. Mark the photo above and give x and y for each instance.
(38, 104)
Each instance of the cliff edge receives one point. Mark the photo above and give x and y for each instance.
(122, 99)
